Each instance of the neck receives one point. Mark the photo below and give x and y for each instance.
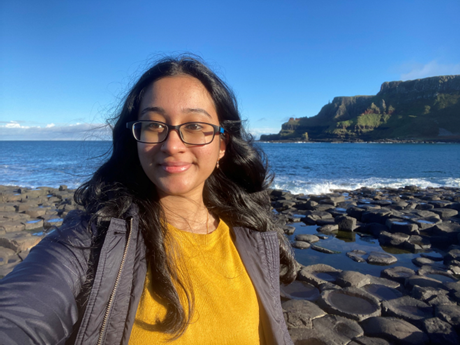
(188, 214)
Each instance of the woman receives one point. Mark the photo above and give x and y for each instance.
(176, 242)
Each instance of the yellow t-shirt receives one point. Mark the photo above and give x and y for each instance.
(226, 309)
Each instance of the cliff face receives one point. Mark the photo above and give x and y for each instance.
(417, 109)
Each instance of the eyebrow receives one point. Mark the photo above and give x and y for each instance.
(163, 112)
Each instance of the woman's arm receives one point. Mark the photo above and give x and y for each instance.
(37, 299)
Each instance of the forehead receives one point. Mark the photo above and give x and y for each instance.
(177, 94)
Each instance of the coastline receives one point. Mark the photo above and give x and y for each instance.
(398, 304)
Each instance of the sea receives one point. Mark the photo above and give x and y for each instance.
(308, 168)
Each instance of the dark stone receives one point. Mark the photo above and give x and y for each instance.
(355, 212)
(398, 274)
(301, 245)
(378, 216)
(346, 223)
(388, 239)
(357, 255)
(445, 213)
(300, 313)
(307, 238)
(394, 330)
(323, 250)
(440, 332)
(407, 308)
(379, 258)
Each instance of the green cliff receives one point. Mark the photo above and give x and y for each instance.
(422, 109)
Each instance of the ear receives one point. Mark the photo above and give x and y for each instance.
(223, 146)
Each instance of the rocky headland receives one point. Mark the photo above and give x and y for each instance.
(325, 305)
(416, 110)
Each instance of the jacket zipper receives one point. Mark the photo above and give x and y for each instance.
(117, 281)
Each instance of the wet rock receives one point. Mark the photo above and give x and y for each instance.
(394, 330)
(289, 230)
(422, 261)
(301, 313)
(383, 281)
(427, 293)
(357, 255)
(11, 226)
(33, 224)
(340, 327)
(407, 308)
(423, 282)
(346, 223)
(449, 314)
(352, 279)
(378, 258)
(440, 332)
(301, 245)
(398, 274)
(378, 216)
(369, 341)
(328, 228)
(352, 303)
(448, 230)
(388, 239)
(318, 274)
(307, 238)
(300, 290)
(355, 212)
(397, 225)
(373, 228)
(453, 255)
(322, 222)
(19, 241)
(445, 213)
(416, 242)
(382, 292)
(323, 250)
(327, 330)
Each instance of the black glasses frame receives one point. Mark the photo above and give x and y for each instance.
(131, 124)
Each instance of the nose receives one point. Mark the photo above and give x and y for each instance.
(173, 143)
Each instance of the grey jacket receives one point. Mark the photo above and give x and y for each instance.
(37, 299)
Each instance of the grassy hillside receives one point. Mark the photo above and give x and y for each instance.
(425, 109)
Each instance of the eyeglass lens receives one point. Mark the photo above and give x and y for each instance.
(191, 133)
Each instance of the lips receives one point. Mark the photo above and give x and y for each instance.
(175, 167)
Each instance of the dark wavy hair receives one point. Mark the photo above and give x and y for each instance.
(236, 192)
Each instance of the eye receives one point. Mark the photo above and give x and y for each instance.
(194, 126)
(154, 126)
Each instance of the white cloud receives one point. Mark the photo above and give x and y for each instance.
(257, 132)
(81, 131)
(431, 69)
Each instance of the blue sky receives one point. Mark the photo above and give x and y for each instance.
(65, 65)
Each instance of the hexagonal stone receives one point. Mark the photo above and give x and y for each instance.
(299, 290)
(407, 308)
(318, 274)
(357, 255)
(301, 245)
(440, 332)
(300, 313)
(307, 238)
(33, 224)
(382, 292)
(388, 239)
(352, 278)
(449, 314)
(346, 223)
(378, 258)
(445, 213)
(394, 330)
(352, 303)
(11, 226)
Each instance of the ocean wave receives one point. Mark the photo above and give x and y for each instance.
(324, 187)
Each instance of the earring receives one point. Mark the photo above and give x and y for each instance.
(217, 165)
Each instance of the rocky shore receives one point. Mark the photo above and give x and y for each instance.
(325, 305)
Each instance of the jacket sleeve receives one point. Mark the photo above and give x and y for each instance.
(37, 299)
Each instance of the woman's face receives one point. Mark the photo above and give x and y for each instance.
(174, 167)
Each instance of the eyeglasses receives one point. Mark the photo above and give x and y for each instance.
(192, 133)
